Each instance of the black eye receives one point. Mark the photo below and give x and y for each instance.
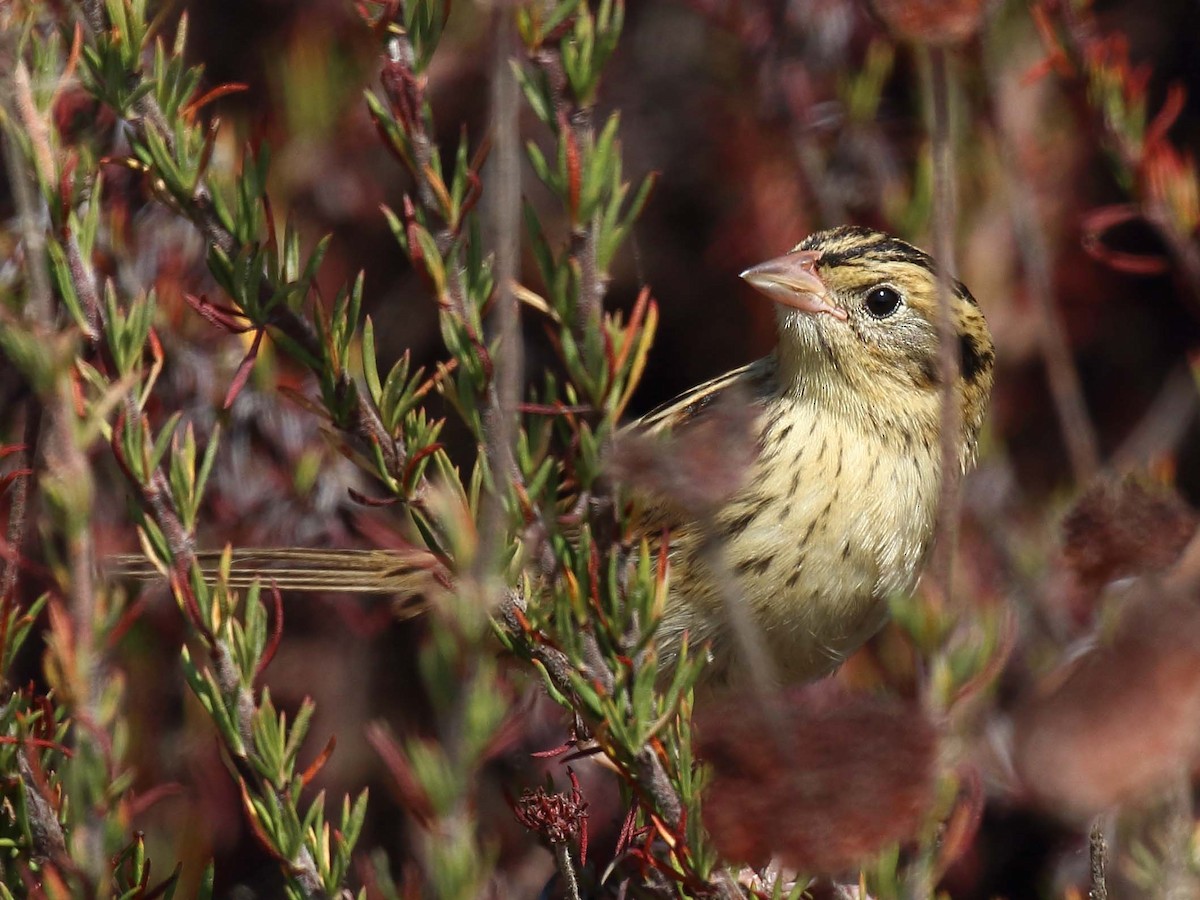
(882, 302)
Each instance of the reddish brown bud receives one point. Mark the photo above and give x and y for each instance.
(1121, 529)
(1121, 721)
(820, 781)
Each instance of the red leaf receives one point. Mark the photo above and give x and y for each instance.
(276, 633)
(573, 167)
(416, 458)
(139, 803)
(224, 317)
(12, 476)
(1100, 221)
(364, 500)
(221, 90)
(411, 794)
(1166, 116)
(310, 773)
(243, 370)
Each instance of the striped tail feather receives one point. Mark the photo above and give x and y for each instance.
(302, 569)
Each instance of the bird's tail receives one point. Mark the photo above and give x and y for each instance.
(403, 573)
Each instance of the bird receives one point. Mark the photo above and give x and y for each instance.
(837, 509)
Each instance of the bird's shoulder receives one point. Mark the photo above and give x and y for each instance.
(754, 383)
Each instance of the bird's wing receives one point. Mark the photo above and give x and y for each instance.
(754, 379)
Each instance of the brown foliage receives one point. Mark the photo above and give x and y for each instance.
(938, 22)
(820, 780)
(1119, 529)
(1122, 720)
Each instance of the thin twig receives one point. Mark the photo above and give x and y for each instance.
(652, 778)
(1178, 882)
(93, 14)
(562, 856)
(39, 302)
(578, 120)
(1163, 424)
(84, 283)
(1033, 241)
(18, 508)
(63, 462)
(1098, 862)
(949, 361)
(49, 841)
(502, 419)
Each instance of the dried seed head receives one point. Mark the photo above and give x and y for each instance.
(558, 818)
(820, 782)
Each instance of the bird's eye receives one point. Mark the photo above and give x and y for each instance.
(882, 302)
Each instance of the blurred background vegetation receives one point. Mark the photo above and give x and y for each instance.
(764, 121)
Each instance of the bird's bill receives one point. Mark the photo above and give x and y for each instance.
(792, 280)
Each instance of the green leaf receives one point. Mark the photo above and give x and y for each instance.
(537, 94)
(163, 441)
(369, 363)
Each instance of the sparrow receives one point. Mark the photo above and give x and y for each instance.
(836, 512)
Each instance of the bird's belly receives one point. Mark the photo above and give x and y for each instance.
(814, 563)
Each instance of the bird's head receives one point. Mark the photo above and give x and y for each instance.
(858, 312)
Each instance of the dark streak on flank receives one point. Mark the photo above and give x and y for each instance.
(756, 564)
(736, 526)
